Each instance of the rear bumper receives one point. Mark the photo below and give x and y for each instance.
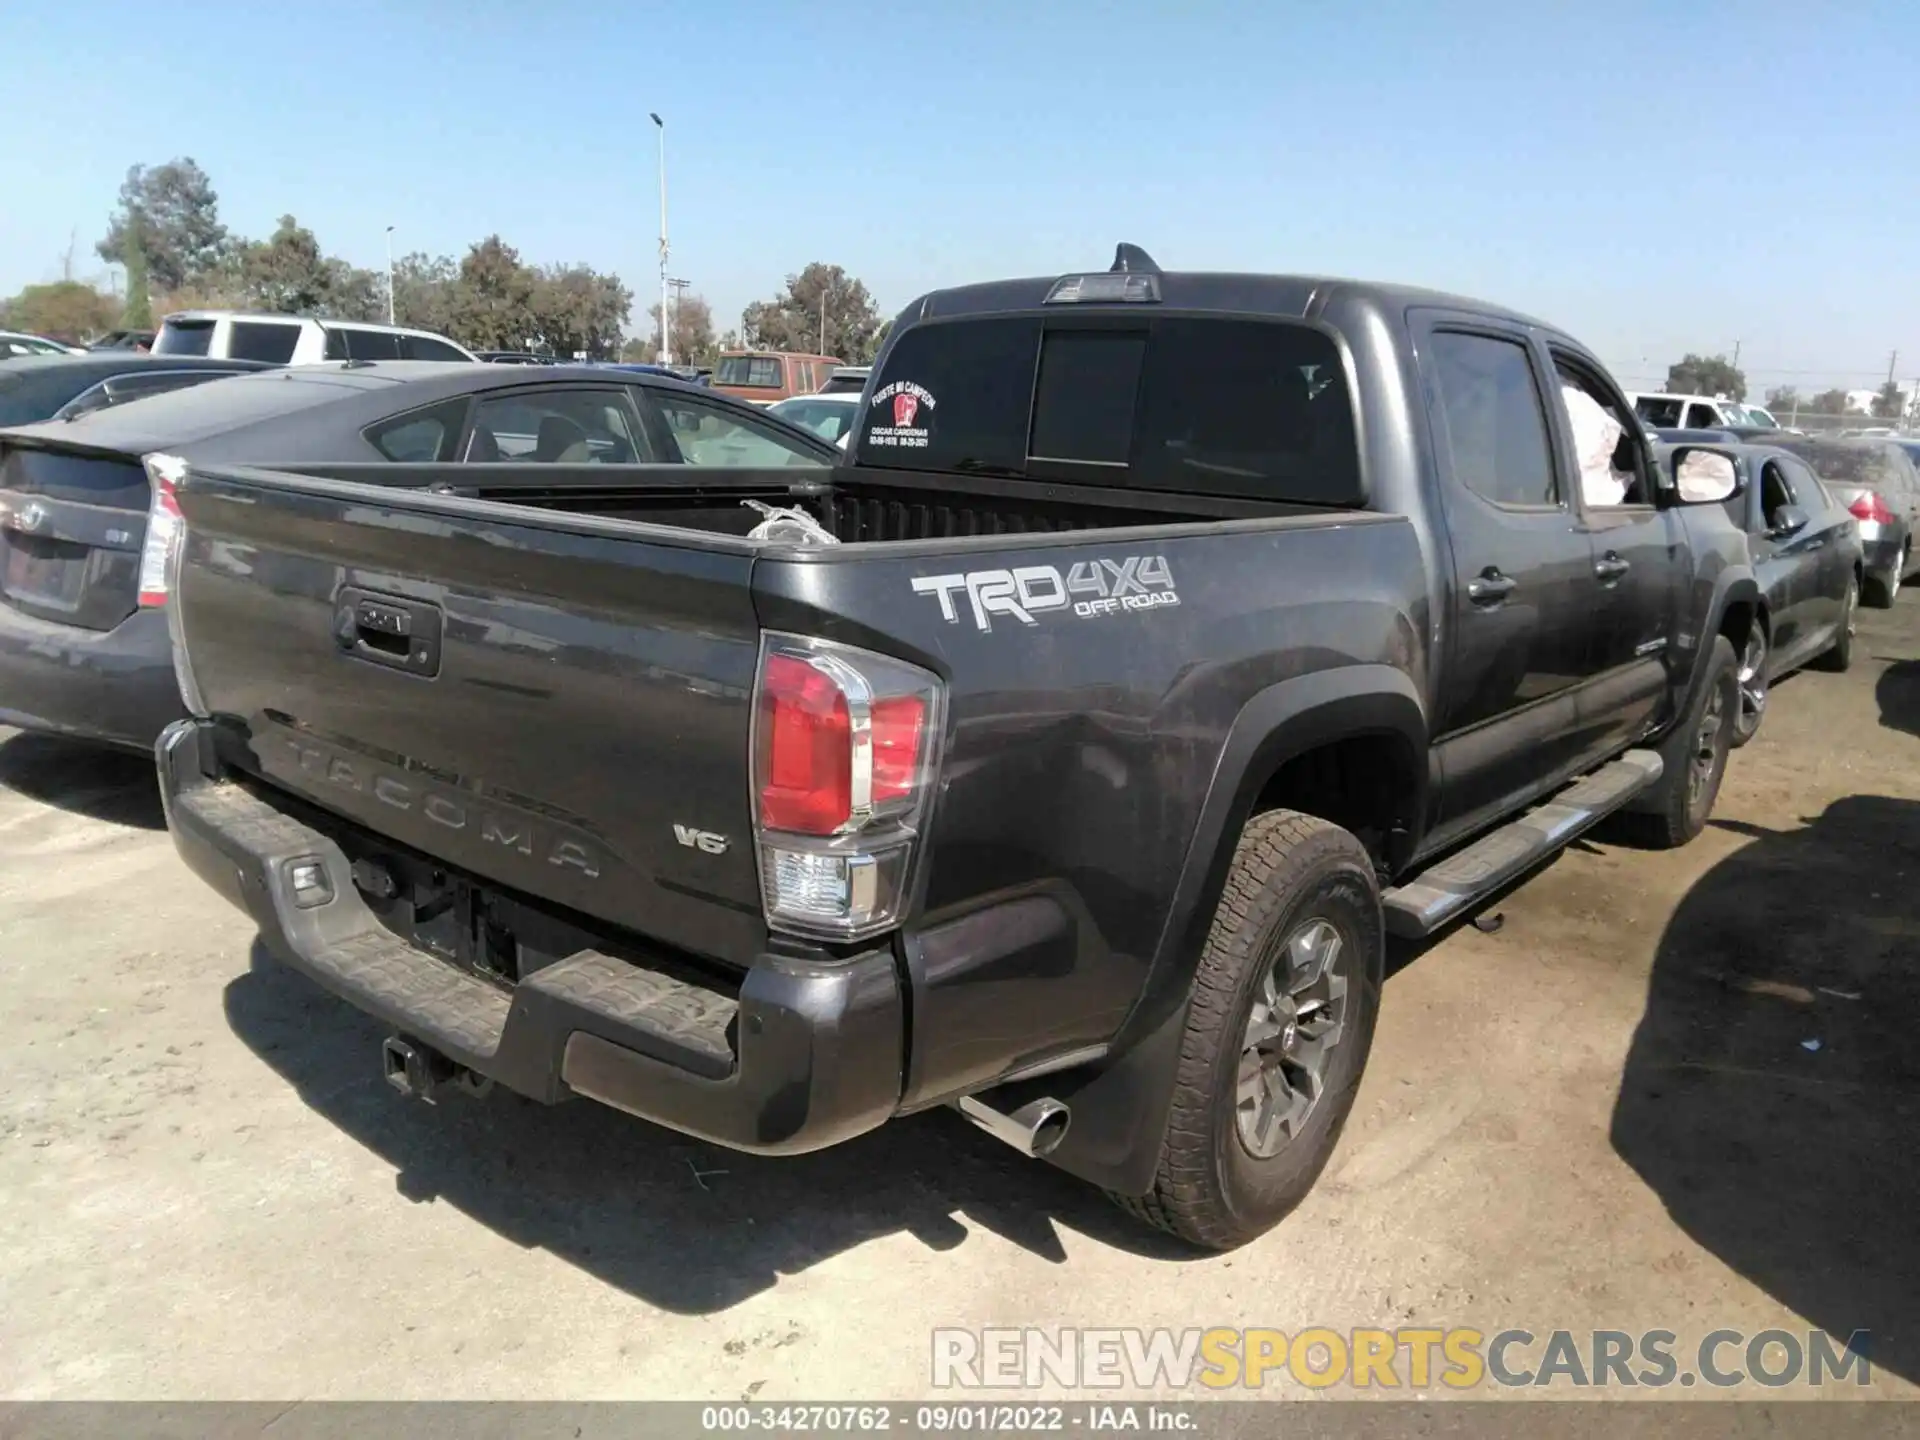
(115, 686)
(1881, 549)
(805, 1055)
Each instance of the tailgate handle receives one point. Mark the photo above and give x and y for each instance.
(389, 630)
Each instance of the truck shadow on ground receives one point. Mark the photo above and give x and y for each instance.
(1771, 1096)
(116, 786)
(683, 1225)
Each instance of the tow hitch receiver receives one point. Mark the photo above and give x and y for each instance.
(423, 1072)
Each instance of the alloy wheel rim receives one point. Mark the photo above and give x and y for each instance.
(1706, 747)
(1753, 682)
(1298, 1019)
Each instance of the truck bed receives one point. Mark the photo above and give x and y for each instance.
(585, 711)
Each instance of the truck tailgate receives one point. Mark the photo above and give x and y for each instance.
(556, 703)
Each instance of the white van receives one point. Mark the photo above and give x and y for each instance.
(295, 340)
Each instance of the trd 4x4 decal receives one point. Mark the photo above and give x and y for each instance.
(1090, 588)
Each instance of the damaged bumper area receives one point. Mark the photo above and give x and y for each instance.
(802, 1055)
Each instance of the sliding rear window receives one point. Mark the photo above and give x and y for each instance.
(1250, 409)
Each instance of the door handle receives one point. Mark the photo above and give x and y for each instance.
(1490, 587)
(1610, 567)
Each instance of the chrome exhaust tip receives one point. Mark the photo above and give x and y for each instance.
(1035, 1129)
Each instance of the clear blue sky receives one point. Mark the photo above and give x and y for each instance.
(1654, 177)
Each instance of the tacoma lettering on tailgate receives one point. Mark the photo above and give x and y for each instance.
(485, 818)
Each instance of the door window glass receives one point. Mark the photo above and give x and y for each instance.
(1496, 429)
(556, 427)
(709, 435)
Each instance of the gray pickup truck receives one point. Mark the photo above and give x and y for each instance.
(1164, 643)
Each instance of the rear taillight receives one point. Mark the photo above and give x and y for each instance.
(1869, 508)
(165, 527)
(160, 559)
(844, 753)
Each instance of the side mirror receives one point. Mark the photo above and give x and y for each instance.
(1705, 477)
(1788, 520)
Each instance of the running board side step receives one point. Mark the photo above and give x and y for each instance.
(1447, 889)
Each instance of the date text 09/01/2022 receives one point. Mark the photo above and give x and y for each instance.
(974, 1419)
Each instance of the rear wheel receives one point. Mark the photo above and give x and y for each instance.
(1693, 758)
(1278, 1030)
(1839, 655)
(1752, 708)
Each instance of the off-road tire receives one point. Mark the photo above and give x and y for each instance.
(1839, 655)
(1209, 1188)
(1670, 814)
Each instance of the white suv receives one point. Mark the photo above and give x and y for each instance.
(295, 340)
(1698, 412)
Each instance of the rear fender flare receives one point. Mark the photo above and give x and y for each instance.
(1120, 1109)
(1732, 587)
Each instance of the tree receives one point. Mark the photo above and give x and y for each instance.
(492, 307)
(353, 293)
(64, 310)
(1707, 375)
(574, 309)
(820, 298)
(1828, 402)
(423, 292)
(693, 340)
(1890, 403)
(1784, 400)
(286, 272)
(177, 214)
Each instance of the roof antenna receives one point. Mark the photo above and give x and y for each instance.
(1131, 259)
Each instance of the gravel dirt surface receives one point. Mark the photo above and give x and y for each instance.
(1669, 1091)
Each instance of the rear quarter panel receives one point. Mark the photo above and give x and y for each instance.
(1083, 743)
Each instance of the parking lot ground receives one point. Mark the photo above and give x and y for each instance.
(1668, 1091)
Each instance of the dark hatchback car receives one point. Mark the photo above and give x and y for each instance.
(86, 506)
(62, 387)
(1808, 560)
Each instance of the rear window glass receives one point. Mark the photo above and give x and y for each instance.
(1083, 406)
(34, 393)
(184, 337)
(257, 340)
(757, 370)
(1247, 409)
(1879, 466)
(120, 484)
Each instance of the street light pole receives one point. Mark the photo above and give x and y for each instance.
(390, 319)
(666, 340)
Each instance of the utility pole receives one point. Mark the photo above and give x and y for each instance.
(1736, 353)
(390, 319)
(1892, 360)
(666, 343)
